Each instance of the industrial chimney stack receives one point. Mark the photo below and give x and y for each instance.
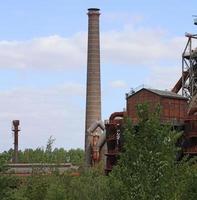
(93, 90)
(16, 130)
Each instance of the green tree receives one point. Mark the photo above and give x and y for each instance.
(147, 168)
(75, 156)
(36, 187)
(8, 184)
(91, 185)
(189, 192)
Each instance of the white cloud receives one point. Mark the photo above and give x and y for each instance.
(130, 46)
(140, 46)
(46, 52)
(54, 111)
(118, 84)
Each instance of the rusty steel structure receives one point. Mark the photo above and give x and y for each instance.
(189, 67)
(93, 89)
(189, 88)
(173, 110)
(15, 129)
(188, 83)
(179, 110)
(114, 141)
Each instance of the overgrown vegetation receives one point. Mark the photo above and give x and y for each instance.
(147, 170)
(47, 155)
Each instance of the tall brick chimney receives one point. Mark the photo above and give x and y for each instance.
(93, 90)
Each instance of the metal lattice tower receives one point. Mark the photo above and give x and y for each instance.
(189, 67)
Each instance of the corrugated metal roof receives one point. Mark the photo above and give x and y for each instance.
(166, 93)
(163, 93)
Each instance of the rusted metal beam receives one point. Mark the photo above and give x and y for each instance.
(178, 85)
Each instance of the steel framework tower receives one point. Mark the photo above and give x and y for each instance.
(189, 67)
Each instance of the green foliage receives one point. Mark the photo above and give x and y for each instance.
(91, 185)
(47, 155)
(75, 156)
(190, 191)
(147, 167)
(8, 184)
(3, 160)
(56, 191)
(36, 187)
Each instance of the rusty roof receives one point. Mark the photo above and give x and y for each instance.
(163, 93)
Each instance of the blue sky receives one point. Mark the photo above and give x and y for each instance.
(43, 48)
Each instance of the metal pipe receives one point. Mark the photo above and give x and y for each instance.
(16, 130)
(116, 114)
(97, 139)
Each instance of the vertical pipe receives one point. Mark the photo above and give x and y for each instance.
(183, 83)
(191, 69)
(93, 88)
(16, 131)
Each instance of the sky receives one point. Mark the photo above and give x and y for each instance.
(43, 61)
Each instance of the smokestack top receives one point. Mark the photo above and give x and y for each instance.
(93, 11)
(16, 122)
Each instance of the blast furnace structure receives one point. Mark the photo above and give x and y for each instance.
(179, 110)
